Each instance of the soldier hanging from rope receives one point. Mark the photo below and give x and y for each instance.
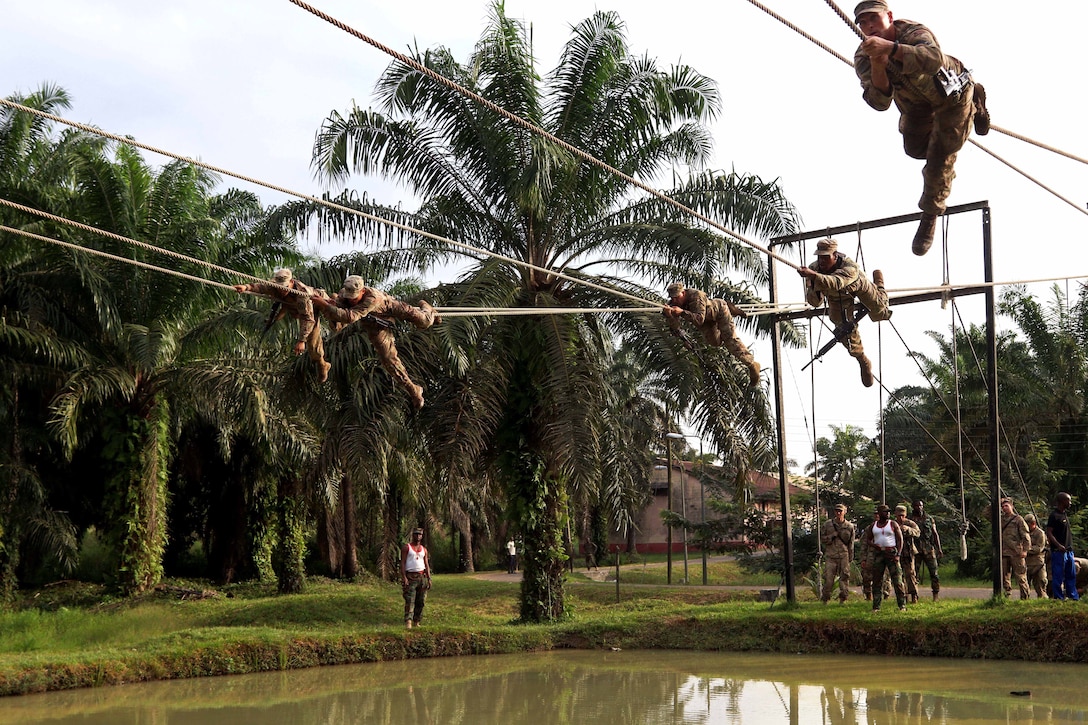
(714, 318)
(297, 304)
(838, 279)
(373, 309)
(901, 61)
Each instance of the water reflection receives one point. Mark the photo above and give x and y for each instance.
(599, 687)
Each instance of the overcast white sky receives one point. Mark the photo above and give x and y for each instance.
(244, 84)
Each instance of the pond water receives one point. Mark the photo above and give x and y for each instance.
(593, 687)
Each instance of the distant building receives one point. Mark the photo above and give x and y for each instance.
(650, 534)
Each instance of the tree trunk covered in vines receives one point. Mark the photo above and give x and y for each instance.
(136, 496)
(539, 504)
(292, 542)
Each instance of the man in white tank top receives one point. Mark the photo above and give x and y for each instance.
(886, 539)
(415, 568)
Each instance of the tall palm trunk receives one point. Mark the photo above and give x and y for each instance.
(541, 501)
(462, 524)
(291, 547)
(137, 498)
(347, 508)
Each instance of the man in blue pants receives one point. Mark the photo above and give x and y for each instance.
(1060, 536)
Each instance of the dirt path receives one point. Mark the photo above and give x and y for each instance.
(598, 577)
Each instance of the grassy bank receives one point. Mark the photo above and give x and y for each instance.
(68, 637)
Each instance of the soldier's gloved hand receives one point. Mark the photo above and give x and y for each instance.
(738, 312)
(241, 288)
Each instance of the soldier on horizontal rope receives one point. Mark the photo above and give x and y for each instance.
(901, 61)
(373, 310)
(291, 297)
(714, 318)
(838, 279)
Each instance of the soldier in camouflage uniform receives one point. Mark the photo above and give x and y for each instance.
(885, 538)
(1036, 558)
(837, 537)
(838, 279)
(294, 298)
(1015, 542)
(714, 318)
(373, 309)
(865, 562)
(929, 546)
(911, 532)
(899, 61)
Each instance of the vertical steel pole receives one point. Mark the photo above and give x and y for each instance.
(993, 408)
(668, 538)
(783, 481)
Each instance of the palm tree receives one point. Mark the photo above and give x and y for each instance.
(537, 419)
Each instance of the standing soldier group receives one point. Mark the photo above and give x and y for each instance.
(889, 550)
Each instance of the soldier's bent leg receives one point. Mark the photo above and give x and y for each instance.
(875, 300)
(420, 317)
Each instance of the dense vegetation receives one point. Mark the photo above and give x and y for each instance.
(148, 427)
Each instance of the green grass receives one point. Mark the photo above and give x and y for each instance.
(74, 635)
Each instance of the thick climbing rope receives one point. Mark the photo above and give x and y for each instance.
(444, 311)
(322, 202)
(532, 128)
(136, 243)
(114, 257)
(1029, 177)
(982, 285)
(846, 19)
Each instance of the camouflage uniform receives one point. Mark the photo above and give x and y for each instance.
(375, 303)
(1036, 560)
(928, 550)
(714, 318)
(934, 127)
(1014, 542)
(299, 307)
(840, 287)
(838, 541)
(887, 562)
(866, 554)
(911, 532)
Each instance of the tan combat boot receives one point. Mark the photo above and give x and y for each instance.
(923, 238)
(432, 316)
(866, 371)
(982, 116)
(417, 396)
(878, 279)
(753, 374)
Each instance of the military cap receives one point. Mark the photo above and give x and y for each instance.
(353, 284)
(900, 510)
(675, 288)
(839, 507)
(870, 6)
(282, 275)
(1030, 518)
(1006, 500)
(826, 247)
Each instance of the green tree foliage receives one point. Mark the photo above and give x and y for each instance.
(526, 396)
